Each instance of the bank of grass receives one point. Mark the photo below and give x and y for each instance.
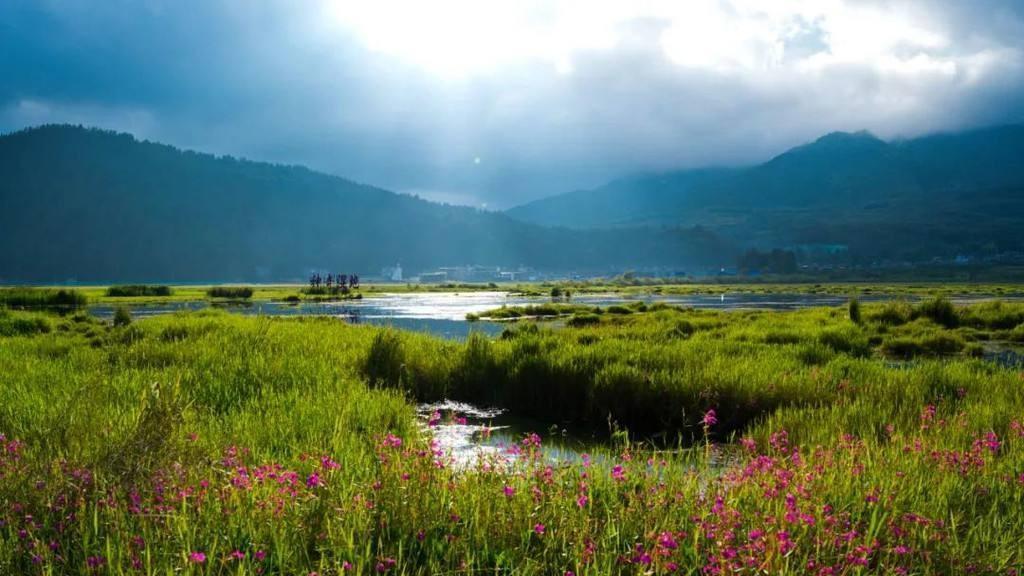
(41, 298)
(655, 370)
(139, 290)
(230, 292)
(207, 443)
(546, 310)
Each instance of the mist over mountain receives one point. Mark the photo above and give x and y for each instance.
(94, 205)
(934, 196)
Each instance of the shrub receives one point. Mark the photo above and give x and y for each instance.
(682, 329)
(122, 316)
(236, 292)
(23, 325)
(902, 347)
(893, 314)
(851, 341)
(579, 320)
(938, 310)
(931, 345)
(130, 335)
(854, 310)
(943, 344)
(41, 298)
(617, 309)
(138, 290)
(995, 315)
(520, 330)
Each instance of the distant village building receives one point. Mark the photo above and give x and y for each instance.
(392, 273)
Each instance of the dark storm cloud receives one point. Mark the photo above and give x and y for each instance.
(274, 81)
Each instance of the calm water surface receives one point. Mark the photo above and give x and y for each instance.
(444, 313)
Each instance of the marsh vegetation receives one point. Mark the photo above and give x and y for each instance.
(736, 442)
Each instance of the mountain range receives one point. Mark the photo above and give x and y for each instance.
(98, 206)
(935, 196)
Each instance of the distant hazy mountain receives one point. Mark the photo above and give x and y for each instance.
(932, 196)
(94, 205)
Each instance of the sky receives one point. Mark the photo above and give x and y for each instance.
(493, 104)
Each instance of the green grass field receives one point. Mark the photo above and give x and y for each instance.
(821, 441)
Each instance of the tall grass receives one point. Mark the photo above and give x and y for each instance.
(133, 290)
(206, 443)
(233, 292)
(41, 298)
(656, 373)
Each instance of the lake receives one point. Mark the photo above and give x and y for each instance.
(444, 313)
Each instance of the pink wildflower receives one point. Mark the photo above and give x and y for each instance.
(667, 541)
(618, 473)
(710, 418)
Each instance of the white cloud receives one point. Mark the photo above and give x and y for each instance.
(552, 94)
(458, 38)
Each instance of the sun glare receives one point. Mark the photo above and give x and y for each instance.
(458, 38)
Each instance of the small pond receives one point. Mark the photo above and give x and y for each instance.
(468, 434)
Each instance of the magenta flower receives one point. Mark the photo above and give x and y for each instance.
(435, 419)
(785, 544)
(582, 501)
(237, 555)
(618, 473)
(667, 541)
(313, 481)
(346, 566)
(509, 491)
(197, 558)
(710, 418)
(538, 529)
(531, 439)
(260, 555)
